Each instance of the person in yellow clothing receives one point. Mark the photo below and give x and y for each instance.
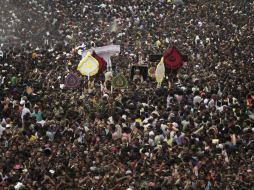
(169, 141)
(32, 138)
(158, 43)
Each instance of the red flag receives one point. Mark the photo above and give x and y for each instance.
(102, 62)
(173, 59)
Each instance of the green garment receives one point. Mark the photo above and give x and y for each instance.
(38, 116)
(13, 81)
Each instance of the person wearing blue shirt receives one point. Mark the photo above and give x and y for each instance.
(37, 113)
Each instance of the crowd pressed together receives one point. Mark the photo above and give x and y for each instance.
(196, 134)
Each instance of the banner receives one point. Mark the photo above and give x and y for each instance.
(88, 66)
(101, 61)
(160, 72)
(72, 81)
(119, 81)
(109, 50)
(173, 59)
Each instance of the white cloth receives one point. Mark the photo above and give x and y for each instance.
(1, 130)
(42, 122)
(197, 99)
(211, 103)
(151, 142)
(185, 123)
(109, 49)
(24, 112)
(105, 52)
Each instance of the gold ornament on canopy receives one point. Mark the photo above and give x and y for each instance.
(120, 81)
(88, 66)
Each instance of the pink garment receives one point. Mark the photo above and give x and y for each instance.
(195, 171)
(18, 166)
(179, 98)
(233, 139)
(115, 136)
(126, 137)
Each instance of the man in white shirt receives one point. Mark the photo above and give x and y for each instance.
(25, 110)
(197, 99)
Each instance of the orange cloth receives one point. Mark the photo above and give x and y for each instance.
(34, 55)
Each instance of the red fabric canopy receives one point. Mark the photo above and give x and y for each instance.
(102, 62)
(172, 59)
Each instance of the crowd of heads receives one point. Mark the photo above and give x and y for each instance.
(193, 133)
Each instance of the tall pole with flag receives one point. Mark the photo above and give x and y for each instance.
(173, 61)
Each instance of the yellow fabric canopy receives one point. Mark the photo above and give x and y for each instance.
(88, 66)
(160, 72)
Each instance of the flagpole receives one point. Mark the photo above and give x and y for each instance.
(88, 85)
(171, 79)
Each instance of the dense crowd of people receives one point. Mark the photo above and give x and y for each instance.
(196, 134)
